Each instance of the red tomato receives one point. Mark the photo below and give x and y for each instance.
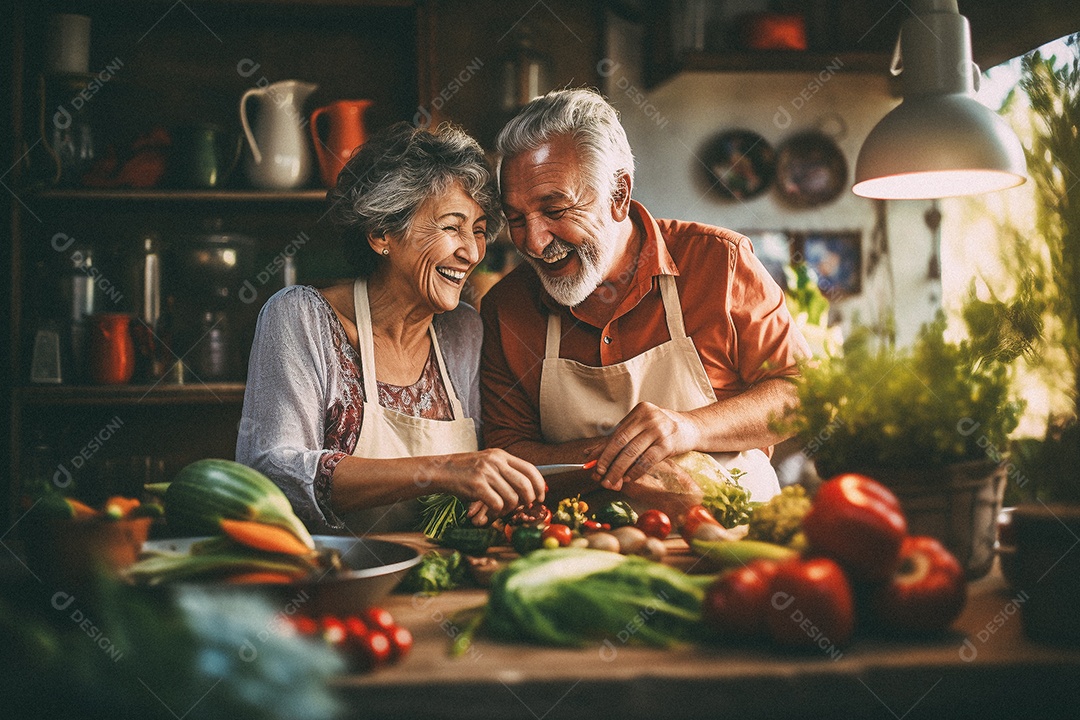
(401, 642)
(377, 619)
(927, 591)
(562, 534)
(373, 650)
(333, 630)
(694, 517)
(356, 627)
(735, 604)
(810, 604)
(654, 523)
(305, 625)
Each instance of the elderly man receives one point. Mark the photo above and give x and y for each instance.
(622, 337)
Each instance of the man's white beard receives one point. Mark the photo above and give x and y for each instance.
(596, 260)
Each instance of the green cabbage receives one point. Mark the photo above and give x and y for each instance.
(573, 596)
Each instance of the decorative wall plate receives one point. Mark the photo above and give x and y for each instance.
(739, 164)
(810, 170)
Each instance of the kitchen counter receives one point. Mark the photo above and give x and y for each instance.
(984, 668)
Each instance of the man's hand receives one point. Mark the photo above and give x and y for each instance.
(646, 436)
(667, 487)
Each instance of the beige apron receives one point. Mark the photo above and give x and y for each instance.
(386, 433)
(578, 401)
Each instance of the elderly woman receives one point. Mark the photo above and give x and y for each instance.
(362, 397)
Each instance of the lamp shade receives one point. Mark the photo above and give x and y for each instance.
(940, 141)
(936, 146)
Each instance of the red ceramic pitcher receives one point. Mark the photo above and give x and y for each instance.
(344, 133)
(110, 354)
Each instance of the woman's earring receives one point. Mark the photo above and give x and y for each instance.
(386, 251)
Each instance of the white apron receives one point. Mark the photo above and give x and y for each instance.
(578, 401)
(386, 433)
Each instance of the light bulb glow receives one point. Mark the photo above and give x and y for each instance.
(937, 184)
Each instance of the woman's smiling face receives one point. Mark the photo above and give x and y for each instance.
(445, 241)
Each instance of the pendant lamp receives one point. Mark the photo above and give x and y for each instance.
(939, 142)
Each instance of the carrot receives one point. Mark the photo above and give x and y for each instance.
(261, 536)
(119, 507)
(80, 510)
(260, 578)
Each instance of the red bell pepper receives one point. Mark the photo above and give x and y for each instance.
(810, 605)
(535, 514)
(736, 603)
(927, 591)
(858, 522)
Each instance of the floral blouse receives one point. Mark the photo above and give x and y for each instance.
(304, 402)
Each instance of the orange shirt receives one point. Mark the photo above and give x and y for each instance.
(733, 310)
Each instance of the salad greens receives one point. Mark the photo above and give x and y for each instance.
(435, 573)
(571, 596)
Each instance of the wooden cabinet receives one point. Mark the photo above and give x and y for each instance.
(845, 35)
(162, 64)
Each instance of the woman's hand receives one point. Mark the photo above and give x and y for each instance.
(493, 479)
(646, 436)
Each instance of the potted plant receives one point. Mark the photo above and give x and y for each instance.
(930, 421)
(1051, 266)
(1046, 486)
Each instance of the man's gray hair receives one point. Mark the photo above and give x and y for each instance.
(587, 118)
(394, 172)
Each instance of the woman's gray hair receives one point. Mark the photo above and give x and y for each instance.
(394, 172)
(585, 116)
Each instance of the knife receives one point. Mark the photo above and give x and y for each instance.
(559, 468)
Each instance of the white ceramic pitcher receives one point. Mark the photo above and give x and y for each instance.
(280, 158)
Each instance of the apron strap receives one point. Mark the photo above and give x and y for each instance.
(365, 342)
(459, 411)
(554, 336)
(669, 292)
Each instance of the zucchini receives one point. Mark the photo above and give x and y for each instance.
(470, 541)
(206, 491)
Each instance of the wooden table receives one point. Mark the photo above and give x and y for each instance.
(985, 669)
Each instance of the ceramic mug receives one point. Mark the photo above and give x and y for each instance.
(203, 156)
(110, 353)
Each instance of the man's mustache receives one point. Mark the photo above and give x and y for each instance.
(555, 247)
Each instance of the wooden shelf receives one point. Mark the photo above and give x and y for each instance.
(790, 61)
(786, 61)
(161, 394)
(156, 195)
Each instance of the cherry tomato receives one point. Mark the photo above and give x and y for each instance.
(305, 625)
(401, 642)
(333, 630)
(377, 619)
(810, 604)
(561, 533)
(373, 650)
(735, 604)
(356, 627)
(654, 523)
(695, 517)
